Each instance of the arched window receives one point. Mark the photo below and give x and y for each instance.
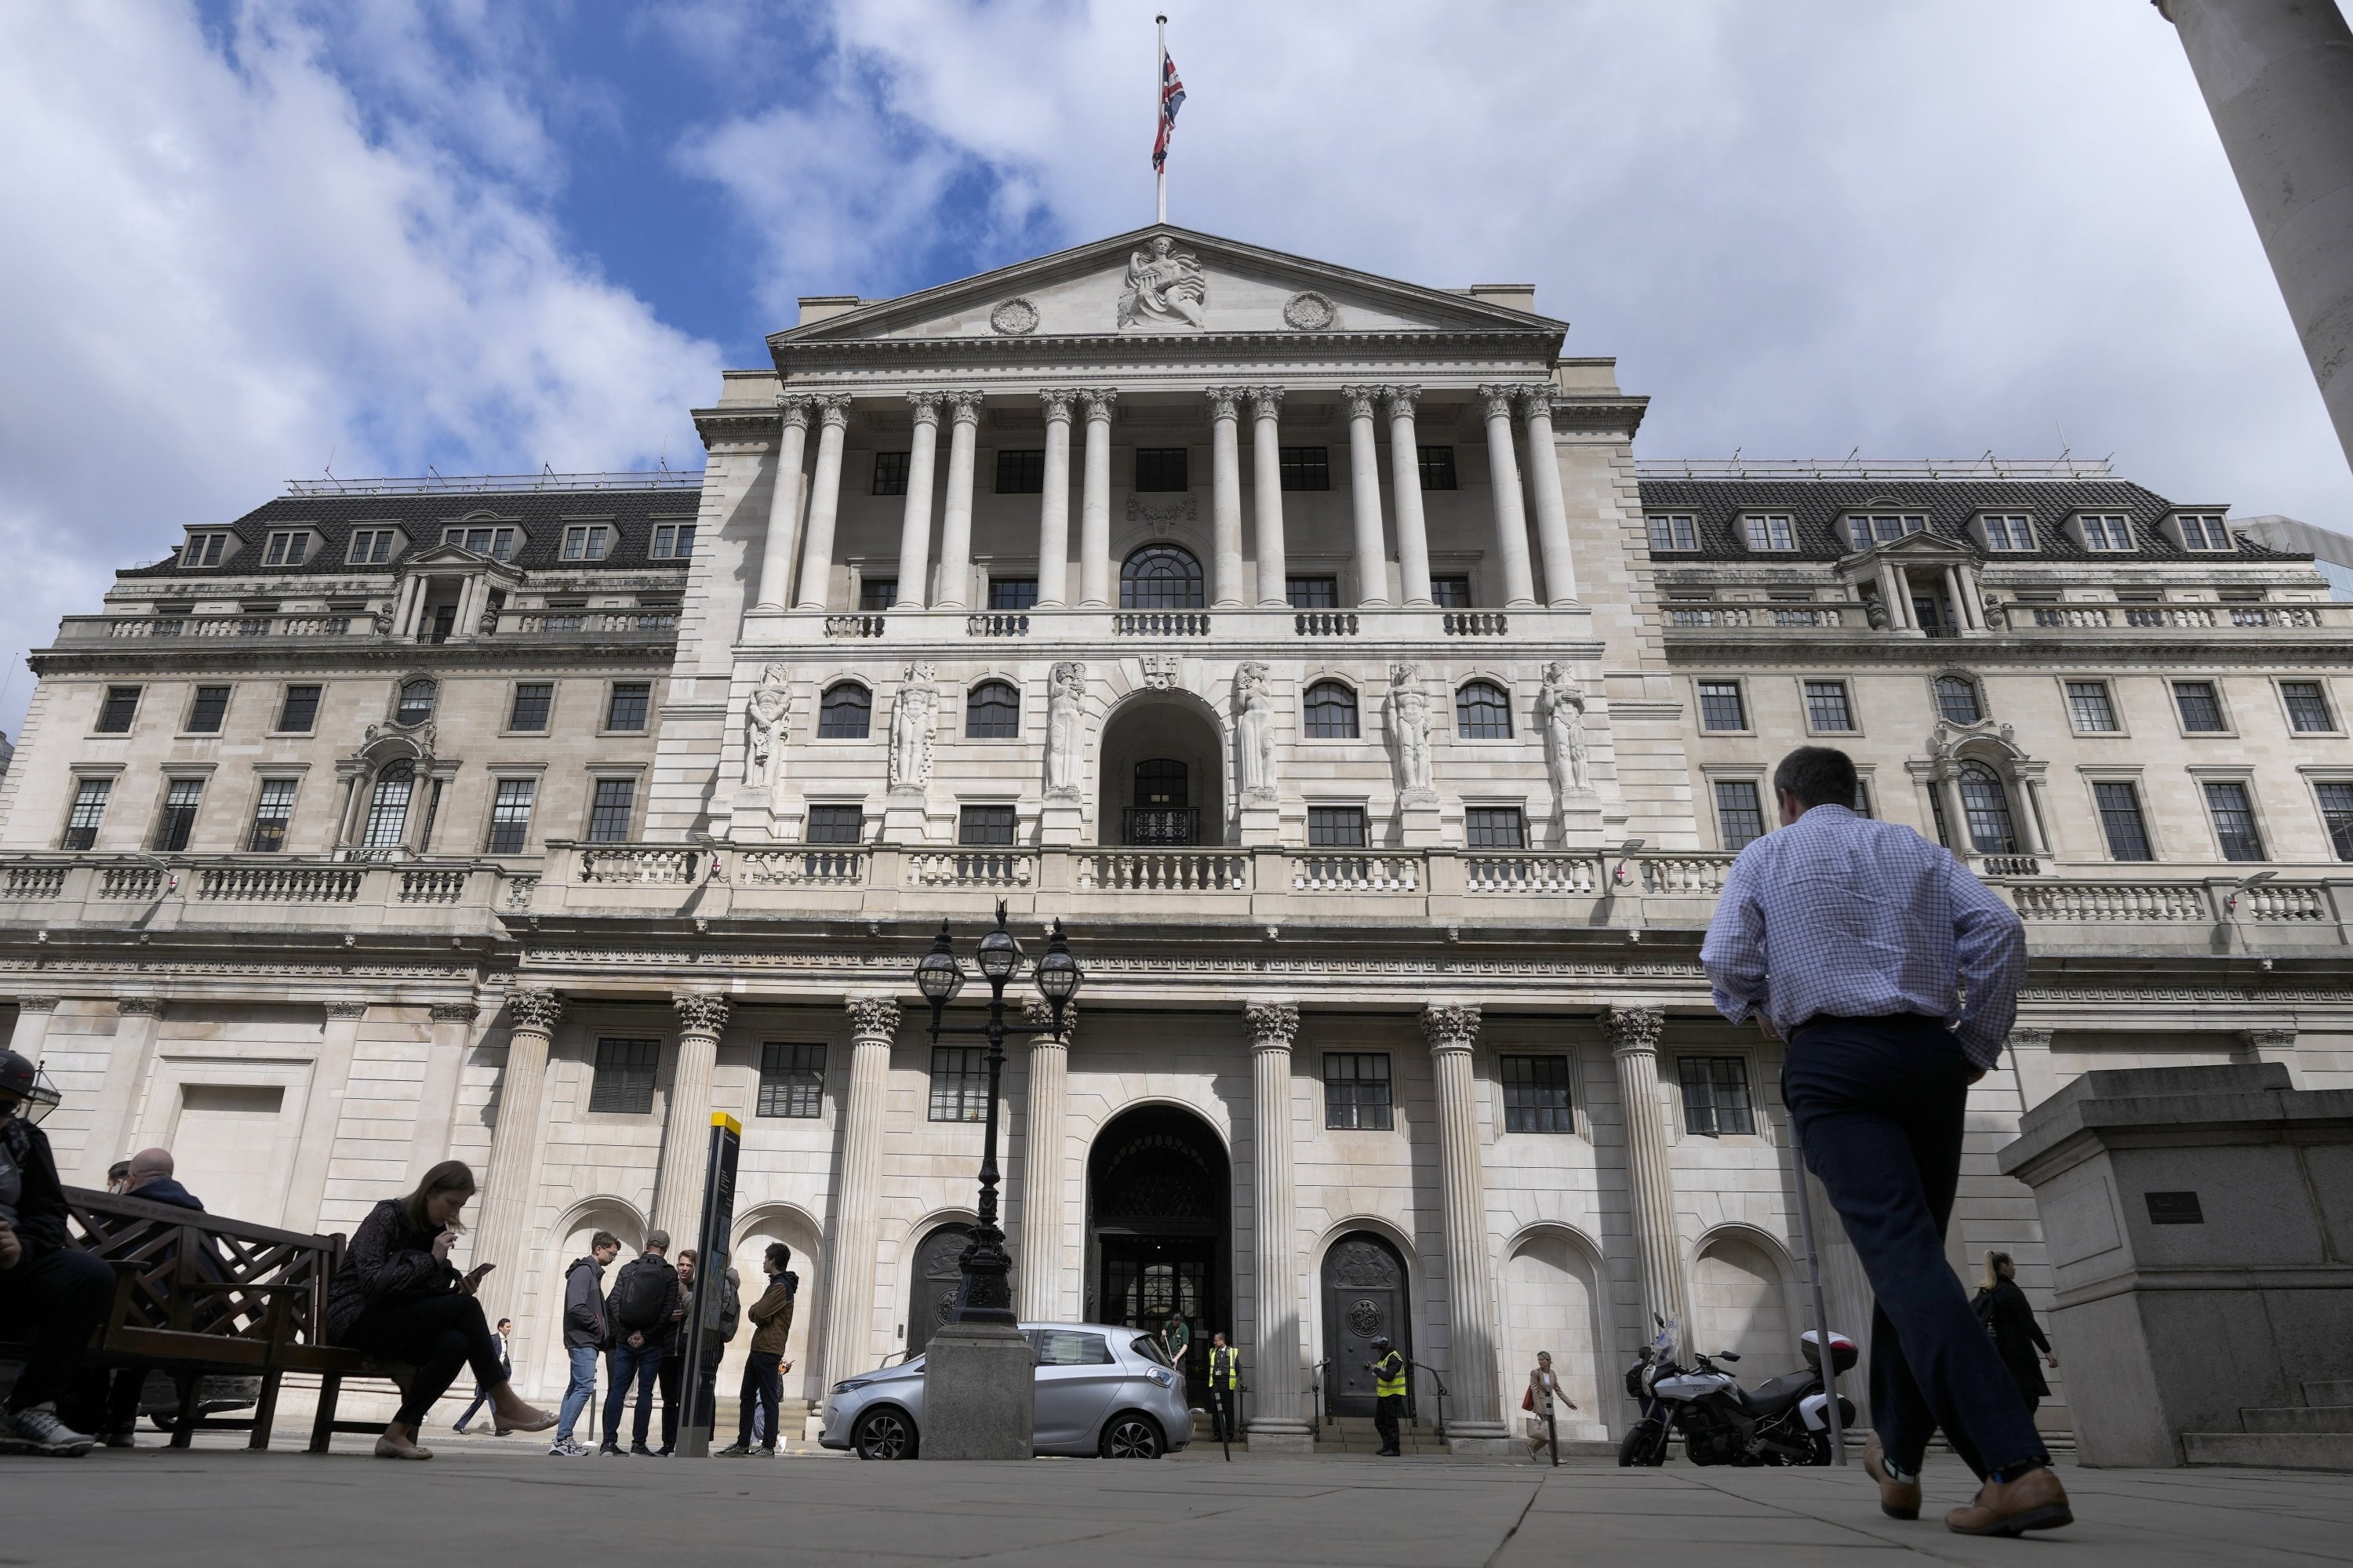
(1987, 804)
(1481, 712)
(845, 712)
(1956, 699)
(1162, 781)
(1160, 576)
(992, 712)
(1331, 711)
(417, 699)
(387, 817)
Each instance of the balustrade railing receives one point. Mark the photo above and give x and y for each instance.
(642, 864)
(1530, 873)
(2273, 901)
(1324, 623)
(433, 885)
(1163, 870)
(996, 623)
(281, 884)
(816, 866)
(2131, 903)
(1475, 624)
(1353, 871)
(853, 626)
(34, 882)
(1684, 876)
(131, 882)
(948, 869)
(1161, 623)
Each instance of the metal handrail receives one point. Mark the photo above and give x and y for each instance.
(1316, 1381)
(1414, 1414)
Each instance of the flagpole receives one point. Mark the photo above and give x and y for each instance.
(1160, 86)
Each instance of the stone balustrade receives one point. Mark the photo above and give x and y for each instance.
(2018, 618)
(1274, 628)
(650, 624)
(159, 893)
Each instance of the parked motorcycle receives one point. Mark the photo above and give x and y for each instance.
(1783, 1422)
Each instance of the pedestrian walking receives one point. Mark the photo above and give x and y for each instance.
(397, 1295)
(1224, 1389)
(764, 1369)
(644, 1308)
(52, 1292)
(1544, 1392)
(2007, 1317)
(586, 1332)
(505, 1332)
(1389, 1370)
(1892, 974)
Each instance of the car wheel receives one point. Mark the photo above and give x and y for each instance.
(883, 1435)
(1132, 1436)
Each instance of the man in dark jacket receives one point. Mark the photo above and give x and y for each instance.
(150, 1178)
(51, 1292)
(147, 1176)
(586, 1334)
(643, 1308)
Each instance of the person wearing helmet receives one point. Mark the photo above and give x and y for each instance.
(52, 1293)
(1387, 1368)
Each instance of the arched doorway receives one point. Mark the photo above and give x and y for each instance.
(933, 1276)
(1158, 1218)
(1553, 1301)
(1365, 1295)
(1161, 781)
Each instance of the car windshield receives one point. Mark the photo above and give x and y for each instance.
(1147, 1347)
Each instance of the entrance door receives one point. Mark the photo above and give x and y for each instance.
(932, 1295)
(1157, 1193)
(1364, 1296)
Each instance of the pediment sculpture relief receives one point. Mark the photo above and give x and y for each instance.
(1165, 288)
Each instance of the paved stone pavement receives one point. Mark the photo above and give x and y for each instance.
(501, 1503)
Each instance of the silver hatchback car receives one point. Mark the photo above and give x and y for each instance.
(1102, 1390)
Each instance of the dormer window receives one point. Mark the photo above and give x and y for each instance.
(586, 542)
(1673, 531)
(287, 548)
(205, 549)
(2202, 531)
(1770, 531)
(498, 543)
(672, 541)
(372, 547)
(1866, 529)
(2007, 531)
(2105, 533)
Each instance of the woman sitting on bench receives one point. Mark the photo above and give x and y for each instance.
(397, 1297)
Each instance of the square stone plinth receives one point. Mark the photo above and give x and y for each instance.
(980, 1394)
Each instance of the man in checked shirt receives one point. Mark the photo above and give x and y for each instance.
(1855, 941)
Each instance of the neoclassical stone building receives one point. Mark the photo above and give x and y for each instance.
(1314, 646)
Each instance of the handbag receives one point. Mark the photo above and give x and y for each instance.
(1528, 1399)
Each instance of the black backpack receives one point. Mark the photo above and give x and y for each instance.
(641, 1296)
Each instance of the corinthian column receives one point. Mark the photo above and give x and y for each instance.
(956, 505)
(1266, 494)
(1225, 497)
(825, 502)
(33, 1015)
(1452, 1031)
(437, 1093)
(1094, 502)
(1552, 512)
(1281, 1422)
(916, 518)
(1364, 495)
(1404, 478)
(1054, 505)
(686, 1114)
(784, 505)
(1511, 516)
(1633, 1035)
(532, 1017)
(114, 1119)
(1039, 1261)
(849, 1302)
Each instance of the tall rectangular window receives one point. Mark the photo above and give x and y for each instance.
(1827, 707)
(88, 809)
(511, 815)
(2233, 811)
(877, 594)
(1161, 468)
(1304, 467)
(625, 1075)
(179, 820)
(959, 1082)
(2307, 708)
(2121, 821)
(1720, 707)
(836, 824)
(1012, 593)
(2200, 708)
(2337, 815)
(1451, 593)
(1311, 593)
(1739, 815)
(1437, 464)
(532, 701)
(627, 710)
(891, 473)
(1715, 1096)
(610, 809)
(207, 711)
(121, 705)
(2089, 707)
(1357, 1091)
(792, 1079)
(1335, 827)
(1770, 531)
(987, 826)
(299, 713)
(273, 814)
(1495, 828)
(1535, 1095)
(1021, 472)
(1672, 531)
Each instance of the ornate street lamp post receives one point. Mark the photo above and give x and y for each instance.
(984, 1296)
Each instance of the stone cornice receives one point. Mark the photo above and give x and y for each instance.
(2064, 653)
(312, 655)
(1598, 416)
(1247, 352)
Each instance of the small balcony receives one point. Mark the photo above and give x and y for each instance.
(1163, 826)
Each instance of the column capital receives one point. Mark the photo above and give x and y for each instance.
(1224, 402)
(139, 1006)
(872, 1017)
(700, 1012)
(1361, 401)
(347, 1010)
(1535, 400)
(1451, 1025)
(1633, 1031)
(1038, 1016)
(1273, 1025)
(1057, 401)
(1098, 400)
(535, 1009)
(1266, 401)
(833, 410)
(925, 407)
(1401, 400)
(964, 408)
(453, 1012)
(2257, 1040)
(793, 409)
(36, 1003)
(1496, 399)
(2030, 1039)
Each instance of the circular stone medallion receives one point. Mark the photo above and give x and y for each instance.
(1308, 311)
(1014, 318)
(1364, 1319)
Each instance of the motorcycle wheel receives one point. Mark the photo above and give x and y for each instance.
(1645, 1443)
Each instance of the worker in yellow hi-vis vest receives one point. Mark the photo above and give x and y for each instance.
(1389, 1370)
(1225, 1386)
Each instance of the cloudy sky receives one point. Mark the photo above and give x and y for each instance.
(247, 240)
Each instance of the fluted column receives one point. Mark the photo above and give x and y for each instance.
(1405, 479)
(1225, 498)
(916, 518)
(323, 1109)
(1633, 1035)
(1054, 505)
(825, 502)
(33, 1015)
(113, 1120)
(1477, 1413)
(1280, 1419)
(784, 505)
(955, 503)
(1094, 502)
(857, 1201)
(686, 1114)
(1511, 516)
(1266, 494)
(532, 1017)
(1364, 495)
(437, 1093)
(1544, 479)
(1038, 1264)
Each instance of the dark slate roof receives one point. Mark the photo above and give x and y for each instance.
(542, 514)
(1815, 506)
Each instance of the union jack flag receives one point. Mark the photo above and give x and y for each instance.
(1172, 98)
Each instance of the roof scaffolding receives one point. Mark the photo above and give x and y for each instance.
(663, 478)
(1989, 466)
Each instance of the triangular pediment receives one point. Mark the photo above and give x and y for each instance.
(1921, 547)
(1168, 281)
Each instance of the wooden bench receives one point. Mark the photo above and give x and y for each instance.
(197, 1295)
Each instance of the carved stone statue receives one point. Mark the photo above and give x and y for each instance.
(912, 721)
(1164, 288)
(763, 730)
(1066, 696)
(1564, 711)
(1409, 735)
(1254, 731)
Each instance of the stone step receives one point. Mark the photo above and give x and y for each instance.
(2298, 1418)
(2271, 1451)
(2337, 1390)
(1354, 1435)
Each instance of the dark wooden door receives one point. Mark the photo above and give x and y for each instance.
(1365, 1295)
(933, 1292)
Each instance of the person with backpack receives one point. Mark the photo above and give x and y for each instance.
(586, 1332)
(763, 1369)
(645, 1298)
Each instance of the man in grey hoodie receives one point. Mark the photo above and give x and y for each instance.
(586, 1332)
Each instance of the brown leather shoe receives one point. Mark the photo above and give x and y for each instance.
(2035, 1500)
(1897, 1499)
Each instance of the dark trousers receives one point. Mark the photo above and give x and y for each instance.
(1388, 1410)
(668, 1376)
(441, 1331)
(1879, 1105)
(640, 1364)
(764, 1386)
(481, 1397)
(1223, 1424)
(53, 1301)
